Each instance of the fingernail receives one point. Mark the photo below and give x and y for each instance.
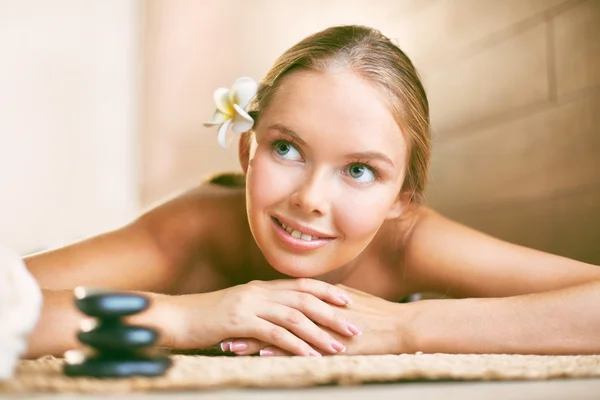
(266, 353)
(337, 346)
(314, 353)
(226, 346)
(355, 330)
(239, 346)
(345, 298)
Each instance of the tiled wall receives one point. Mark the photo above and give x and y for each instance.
(514, 87)
(516, 122)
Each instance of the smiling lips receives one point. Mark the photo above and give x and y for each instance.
(304, 239)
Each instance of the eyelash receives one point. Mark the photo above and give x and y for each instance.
(366, 164)
(284, 139)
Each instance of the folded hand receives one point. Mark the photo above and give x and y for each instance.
(381, 333)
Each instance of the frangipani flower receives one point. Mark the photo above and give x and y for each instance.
(231, 108)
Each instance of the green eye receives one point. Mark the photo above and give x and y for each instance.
(361, 173)
(282, 148)
(286, 150)
(356, 171)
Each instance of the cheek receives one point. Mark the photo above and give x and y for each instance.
(361, 214)
(266, 183)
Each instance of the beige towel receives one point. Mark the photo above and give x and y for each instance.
(20, 304)
(202, 372)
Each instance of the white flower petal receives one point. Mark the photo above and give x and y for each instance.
(242, 122)
(241, 126)
(217, 119)
(221, 97)
(242, 91)
(222, 136)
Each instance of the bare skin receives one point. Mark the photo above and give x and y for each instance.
(312, 168)
(164, 251)
(200, 242)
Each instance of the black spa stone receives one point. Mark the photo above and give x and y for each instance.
(114, 336)
(109, 304)
(104, 366)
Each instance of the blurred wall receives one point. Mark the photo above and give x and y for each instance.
(193, 47)
(515, 96)
(68, 119)
(514, 87)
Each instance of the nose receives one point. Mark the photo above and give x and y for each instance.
(313, 195)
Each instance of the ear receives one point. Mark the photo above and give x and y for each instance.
(398, 206)
(244, 150)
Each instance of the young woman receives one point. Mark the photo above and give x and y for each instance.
(310, 250)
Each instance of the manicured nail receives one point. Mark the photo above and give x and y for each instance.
(337, 346)
(239, 346)
(266, 352)
(314, 353)
(226, 346)
(355, 330)
(345, 298)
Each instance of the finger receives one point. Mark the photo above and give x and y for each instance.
(247, 346)
(226, 345)
(272, 351)
(319, 289)
(300, 325)
(318, 311)
(278, 336)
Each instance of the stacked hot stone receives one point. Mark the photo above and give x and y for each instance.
(119, 349)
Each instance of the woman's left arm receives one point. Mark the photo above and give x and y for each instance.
(510, 299)
(562, 321)
(506, 299)
(446, 257)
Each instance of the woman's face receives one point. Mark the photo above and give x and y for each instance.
(325, 168)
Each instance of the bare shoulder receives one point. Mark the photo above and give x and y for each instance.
(199, 219)
(161, 250)
(447, 257)
(383, 269)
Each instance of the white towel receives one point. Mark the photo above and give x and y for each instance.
(20, 305)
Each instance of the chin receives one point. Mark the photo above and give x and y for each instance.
(295, 268)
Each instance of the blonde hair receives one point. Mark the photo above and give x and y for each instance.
(374, 57)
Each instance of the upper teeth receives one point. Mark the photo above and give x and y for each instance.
(297, 234)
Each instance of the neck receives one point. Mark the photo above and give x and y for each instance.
(339, 275)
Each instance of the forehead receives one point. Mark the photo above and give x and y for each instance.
(338, 105)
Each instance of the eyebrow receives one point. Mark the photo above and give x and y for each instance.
(287, 131)
(372, 155)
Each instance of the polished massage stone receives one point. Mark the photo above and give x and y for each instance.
(109, 304)
(77, 363)
(116, 336)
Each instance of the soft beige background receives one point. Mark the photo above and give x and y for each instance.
(69, 110)
(514, 88)
(102, 105)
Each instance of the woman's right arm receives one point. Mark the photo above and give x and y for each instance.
(284, 313)
(59, 322)
(149, 254)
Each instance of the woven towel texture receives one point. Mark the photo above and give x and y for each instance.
(192, 372)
